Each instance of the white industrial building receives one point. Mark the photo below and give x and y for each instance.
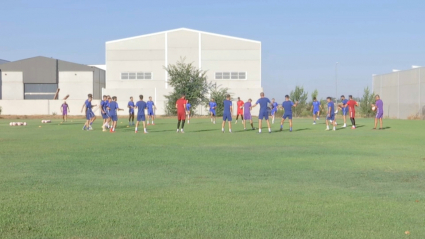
(135, 65)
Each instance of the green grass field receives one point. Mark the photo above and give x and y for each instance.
(58, 181)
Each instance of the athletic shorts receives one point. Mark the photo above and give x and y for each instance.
(227, 116)
(332, 117)
(89, 115)
(315, 112)
(240, 112)
(141, 118)
(150, 112)
(263, 115)
(273, 111)
(65, 113)
(379, 115)
(344, 111)
(247, 116)
(289, 116)
(213, 112)
(181, 115)
(114, 117)
(105, 116)
(353, 114)
(131, 111)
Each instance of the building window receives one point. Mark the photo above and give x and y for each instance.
(230, 75)
(136, 75)
(40, 91)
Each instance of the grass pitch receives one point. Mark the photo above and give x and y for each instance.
(57, 181)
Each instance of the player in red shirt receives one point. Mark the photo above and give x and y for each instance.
(181, 112)
(351, 107)
(239, 103)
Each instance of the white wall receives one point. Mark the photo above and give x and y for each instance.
(77, 84)
(12, 86)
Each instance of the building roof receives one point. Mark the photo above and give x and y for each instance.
(3, 61)
(62, 65)
(183, 29)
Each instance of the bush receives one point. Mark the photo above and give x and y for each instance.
(219, 95)
(365, 103)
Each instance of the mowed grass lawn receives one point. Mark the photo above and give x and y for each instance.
(58, 181)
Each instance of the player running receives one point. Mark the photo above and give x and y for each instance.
(316, 107)
(379, 104)
(227, 113)
(130, 107)
(151, 108)
(188, 111)
(141, 107)
(351, 104)
(90, 117)
(263, 101)
(113, 112)
(247, 114)
(331, 114)
(104, 111)
(240, 104)
(274, 109)
(287, 107)
(181, 113)
(213, 106)
(344, 109)
(64, 109)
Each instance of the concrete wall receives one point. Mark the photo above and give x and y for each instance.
(12, 85)
(402, 92)
(77, 84)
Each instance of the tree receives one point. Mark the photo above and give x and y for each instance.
(219, 95)
(299, 95)
(186, 79)
(365, 101)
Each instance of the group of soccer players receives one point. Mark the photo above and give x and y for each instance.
(109, 108)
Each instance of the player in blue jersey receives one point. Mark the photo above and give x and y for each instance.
(344, 109)
(151, 110)
(263, 114)
(90, 117)
(287, 107)
(113, 112)
(188, 105)
(316, 107)
(105, 116)
(213, 106)
(130, 107)
(141, 107)
(274, 109)
(227, 113)
(330, 114)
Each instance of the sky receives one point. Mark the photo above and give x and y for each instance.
(301, 40)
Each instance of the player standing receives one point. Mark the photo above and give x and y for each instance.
(274, 109)
(213, 114)
(65, 109)
(263, 101)
(316, 107)
(344, 109)
(351, 104)
(239, 103)
(151, 108)
(130, 106)
(188, 111)
(247, 114)
(113, 112)
(331, 114)
(105, 116)
(181, 113)
(141, 107)
(287, 107)
(379, 104)
(90, 117)
(227, 113)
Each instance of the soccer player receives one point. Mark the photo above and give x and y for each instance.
(105, 116)
(247, 114)
(287, 107)
(316, 108)
(90, 117)
(227, 113)
(239, 103)
(181, 113)
(379, 104)
(113, 108)
(213, 105)
(331, 114)
(344, 109)
(64, 109)
(151, 108)
(263, 101)
(274, 109)
(141, 107)
(130, 106)
(351, 104)
(188, 111)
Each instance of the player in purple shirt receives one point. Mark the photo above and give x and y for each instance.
(65, 109)
(247, 114)
(379, 104)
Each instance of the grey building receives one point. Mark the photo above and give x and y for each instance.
(3, 61)
(403, 93)
(40, 77)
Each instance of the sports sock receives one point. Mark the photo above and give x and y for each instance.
(242, 117)
(182, 124)
(270, 130)
(281, 126)
(230, 130)
(152, 121)
(259, 130)
(178, 124)
(222, 129)
(135, 129)
(354, 121)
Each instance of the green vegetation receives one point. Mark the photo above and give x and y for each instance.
(365, 103)
(219, 95)
(58, 181)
